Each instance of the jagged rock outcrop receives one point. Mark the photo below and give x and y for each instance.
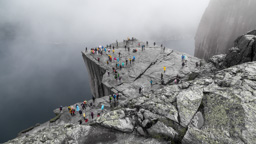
(244, 50)
(207, 105)
(222, 22)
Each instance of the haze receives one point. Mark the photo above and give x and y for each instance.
(41, 66)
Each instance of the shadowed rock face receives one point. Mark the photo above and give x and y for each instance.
(222, 22)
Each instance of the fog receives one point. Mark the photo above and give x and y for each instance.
(41, 66)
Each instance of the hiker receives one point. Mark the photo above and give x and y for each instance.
(83, 106)
(69, 109)
(113, 51)
(80, 122)
(114, 96)
(126, 61)
(73, 112)
(77, 108)
(140, 90)
(116, 66)
(162, 76)
(117, 96)
(123, 64)
(86, 120)
(120, 67)
(196, 64)
(200, 64)
(154, 43)
(108, 73)
(164, 49)
(183, 64)
(110, 98)
(113, 48)
(183, 57)
(161, 45)
(130, 61)
(84, 115)
(107, 62)
(90, 104)
(147, 43)
(98, 114)
(80, 112)
(133, 58)
(120, 79)
(151, 82)
(164, 69)
(119, 54)
(60, 108)
(125, 47)
(93, 98)
(86, 49)
(102, 108)
(128, 49)
(92, 115)
(98, 59)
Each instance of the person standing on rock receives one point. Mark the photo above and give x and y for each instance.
(60, 108)
(117, 96)
(130, 61)
(183, 64)
(80, 122)
(92, 115)
(113, 51)
(93, 98)
(119, 54)
(114, 96)
(151, 82)
(107, 62)
(154, 43)
(110, 98)
(164, 69)
(86, 49)
(140, 90)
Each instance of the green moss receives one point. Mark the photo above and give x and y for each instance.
(55, 118)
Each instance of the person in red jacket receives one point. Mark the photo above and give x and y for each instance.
(92, 114)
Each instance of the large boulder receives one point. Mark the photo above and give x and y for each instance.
(229, 113)
(160, 130)
(244, 50)
(116, 120)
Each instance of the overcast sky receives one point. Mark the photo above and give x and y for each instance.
(102, 20)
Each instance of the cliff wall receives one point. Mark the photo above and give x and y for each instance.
(222, 22)
(96, 73)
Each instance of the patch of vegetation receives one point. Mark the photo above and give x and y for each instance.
(55, 118)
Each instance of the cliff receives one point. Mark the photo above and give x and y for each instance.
(207, 105)
(222, 22)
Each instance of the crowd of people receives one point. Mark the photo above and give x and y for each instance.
(119, 64)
